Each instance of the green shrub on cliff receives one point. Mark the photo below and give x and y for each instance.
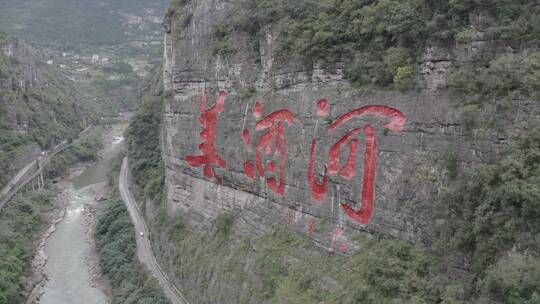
(174, 8)
(386, 271)
(142, 139)
(515, 279)
(505, 76)
(516, 22)
(82, 150)
(284, 266)
(492, 212)
(360, 33)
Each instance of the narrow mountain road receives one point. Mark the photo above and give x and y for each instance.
(144, 248)
(16, 182)
(16, 179)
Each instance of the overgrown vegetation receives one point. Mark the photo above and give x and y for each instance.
(116, 244)
(37, 112)
(115, 240)
(11, 146)
(142, 139)
(83, 150)
(115, 233)
(503, 79)
(491, 215)
(378, 48)
(276, 269)
(178, 11)
(379, 41)
(21, 223)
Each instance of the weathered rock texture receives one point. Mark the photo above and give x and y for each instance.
(411, 164)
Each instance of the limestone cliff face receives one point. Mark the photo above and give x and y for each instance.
(21, 73)
(412, 165)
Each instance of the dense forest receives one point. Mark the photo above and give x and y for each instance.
(115, 238)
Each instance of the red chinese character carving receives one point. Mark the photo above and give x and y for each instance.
(310, 227)
(208, 120)
(336, 239)
(318, 191)
(348, 171)
(290, 217)
(322, 107)
(273, 140)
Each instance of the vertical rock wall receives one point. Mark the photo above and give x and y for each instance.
(411, 165)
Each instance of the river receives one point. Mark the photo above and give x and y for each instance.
(67, 248)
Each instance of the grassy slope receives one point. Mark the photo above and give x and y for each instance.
(286, 267)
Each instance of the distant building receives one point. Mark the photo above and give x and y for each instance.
(95, 58)
(49, 62)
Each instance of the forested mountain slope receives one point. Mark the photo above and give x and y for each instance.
(39, 106)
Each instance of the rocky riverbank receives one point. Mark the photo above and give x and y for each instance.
(91, 210)
(39, 278)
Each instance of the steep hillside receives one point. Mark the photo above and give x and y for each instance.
(142, 139)
(349, 152)
(39, 107)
